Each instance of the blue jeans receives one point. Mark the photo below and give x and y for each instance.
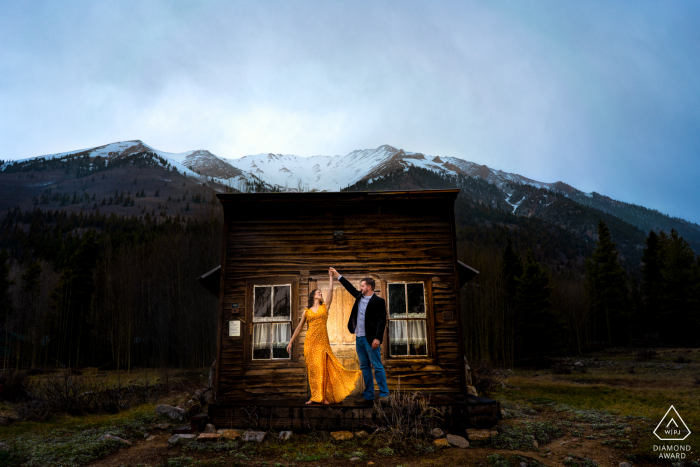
(371, 358)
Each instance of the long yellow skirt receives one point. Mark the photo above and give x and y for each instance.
(326, 373)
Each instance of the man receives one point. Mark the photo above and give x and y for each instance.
(367, 322)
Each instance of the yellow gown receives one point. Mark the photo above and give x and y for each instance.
(322, 366)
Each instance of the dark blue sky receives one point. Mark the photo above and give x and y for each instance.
(602, 95)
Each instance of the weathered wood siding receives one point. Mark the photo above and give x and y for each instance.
(285, 238)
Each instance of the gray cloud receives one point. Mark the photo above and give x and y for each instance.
(604, 96)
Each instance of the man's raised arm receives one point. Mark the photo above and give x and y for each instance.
(348, 286)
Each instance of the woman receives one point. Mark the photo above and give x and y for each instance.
(330, 383)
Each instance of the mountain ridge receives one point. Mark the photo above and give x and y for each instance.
(288, 172)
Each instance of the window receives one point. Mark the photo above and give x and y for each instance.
(272, 321)
(407, 320)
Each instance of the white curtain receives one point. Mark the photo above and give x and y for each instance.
(416, 333)
(261, 336)
(281, 333)
(397, 332)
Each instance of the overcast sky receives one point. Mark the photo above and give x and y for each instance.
(602, 95)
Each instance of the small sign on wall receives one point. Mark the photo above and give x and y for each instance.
(234, 308)
(234, 328)
(447, 316)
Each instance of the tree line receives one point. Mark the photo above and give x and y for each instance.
(517, 309)
(83, 289)
(90, 289)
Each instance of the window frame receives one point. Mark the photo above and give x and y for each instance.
(271, 321)
(429, 320)
(249, 323)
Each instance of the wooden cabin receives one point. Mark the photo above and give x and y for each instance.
(277, 247)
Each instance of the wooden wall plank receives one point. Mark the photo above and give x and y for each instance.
(395, 237)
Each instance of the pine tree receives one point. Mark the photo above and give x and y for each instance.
(511, 268)
(72, 299)
(652, 283)
(607, 290)
(5, 283)
(30, 279)
(539, 329)
(678, 308)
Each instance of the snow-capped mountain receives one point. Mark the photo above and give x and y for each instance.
(197, 163)
(332, 173)
(290, 172)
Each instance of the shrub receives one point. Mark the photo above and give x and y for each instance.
(15, 385)
(410, 418)
(522, 436)
(487, 378)
(77, 395)
(386, 451)
(497, 461)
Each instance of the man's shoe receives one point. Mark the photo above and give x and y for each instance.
(383, 400)
(361, 399)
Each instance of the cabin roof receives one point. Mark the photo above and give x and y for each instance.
(466, 273)
(339, 196)
(211, 280)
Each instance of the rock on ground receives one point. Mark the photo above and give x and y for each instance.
(478, 435)
(230, 434)
(255, 436)
(441, 443)
(209, 437)
(285, 435)
(341, 435)
(209, 428)
(458, 441)
(174, 439)
(437, 433)
(209, 396)
(115, 438)
(361, 434)
(175, 413)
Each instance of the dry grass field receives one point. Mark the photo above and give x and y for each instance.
(600, 412)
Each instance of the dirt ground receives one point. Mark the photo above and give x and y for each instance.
(157, 452)
(593, 410)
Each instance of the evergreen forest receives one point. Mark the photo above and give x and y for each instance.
(84, 288)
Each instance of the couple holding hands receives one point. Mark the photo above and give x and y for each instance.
(329, 381)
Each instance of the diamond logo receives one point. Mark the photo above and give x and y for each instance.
(672, 427)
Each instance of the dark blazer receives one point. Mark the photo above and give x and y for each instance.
(375, 314)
